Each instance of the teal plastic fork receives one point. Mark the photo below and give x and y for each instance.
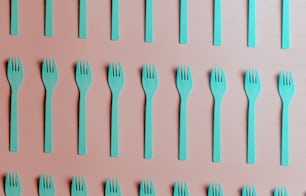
(46, 185)
(217, 37)
(12, 184)
(49, 18)
(83, 80)
(147, 188)
(78, 186)
(286, 90)
(281, 191)
(183, 21)
(83, 19)
(112, 187)
(285, 24)
(14, 26)
(249, 190)
(218, 86)
(181, 189)
(150, 85)
(49, 77)
(116, 83)
(149, 29)
(252, 86)
(251, 23)
(115, 30)
(15, 78)
(184, 85)
(215, 189)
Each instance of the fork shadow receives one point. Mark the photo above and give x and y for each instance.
(37, 184)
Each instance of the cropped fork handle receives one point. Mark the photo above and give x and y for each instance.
(115, 34)
(149, 21)
(148, 129)
(285, 135)
(183, 21)
(252, 23)
(82, 124)
(114, 126)
(251, 156)
(217, 39)
(285, 24)
(49, 18)
(14, 121)
(183, 130)
(14, 17)
(83, 18)
(217, 131)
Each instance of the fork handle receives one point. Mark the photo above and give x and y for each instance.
(49, 18)
(217, 39)
(183, 21)
(251, 156)
(286, 24)
(148, 129)
(149, 21)
(252, 23)
(83, 18)
(14, 121)
(115, 127)
(82, 124)
(115, 33)
(48, 147)
(285, 135)
(183, 140)
(14, 17)
(217, 131)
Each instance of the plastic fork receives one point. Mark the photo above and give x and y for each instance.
(14, 26)
(183, 21)
(150, 85)
(49, 18)
(12, 184)
(184, 85)
(286, 90)
(112, 187)
(82, 18)
(285, 24)
(50, 77)
(251, 23)
(215, 189)
(46, 185)
(252, 86)
(115, 31)
(217, 39)
(78, 186)
(218, 86)
(181, 189)
(249, 190)
(281, 191)
(147, 188)
(116, 83)
(15, 78)
(149, 29)
(83, 80)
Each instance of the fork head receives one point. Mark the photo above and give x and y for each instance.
(218, 82)
(252, 84)
(12, 184)
(46, 185)
(83, 75)
(184, 80)
(149, 79)
(15, 72)
(78, 186)
(215, 189)
(112, 187)
(115, 77)
(147, 188)
(286, 86)
(49, 73)
(281, 191)
(181, 189)
(249, 190)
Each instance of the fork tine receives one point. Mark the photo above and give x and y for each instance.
(186, 72)
(180, 71)
(120, 69)
(189, 73)
(151, 71)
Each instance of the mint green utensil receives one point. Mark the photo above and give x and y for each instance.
(252, 23)
(116, 83)
(78, 186)
(49, 77)
(112, 187)
(12, 184)
(115, 31)
(14, 17)
(215, 189)
(83, 80)
(150, 85)
(252, 86)
(181, 189)
(147, 188)
(15, 78)
(184, 85)
(49, 18)
(218, 86)
(249, 190)
(83, 19)
(183, 21)
(285, 24)
(149, 32)
(281, 191)
(46, 185)
(217, 39)
(286, 90)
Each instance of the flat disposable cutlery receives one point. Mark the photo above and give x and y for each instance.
(46, 185)
(285, 24)
(82, 18)
(12, 184)
(184, 85)
(83, 80)
(78, 186)
(183, 21)
(215, 189)
(181, 189)
(249, 190)
(14, 26)
(150, 85)
(251, 23)
(218, 86)
(286, 90)
(49, 77)
(49, 18)
(116, 83)
(115, 29)
(281, 191)
(15, 78)
(112, 187)
(149, 28)
(147, 188)
(252, 86)
(217, 37)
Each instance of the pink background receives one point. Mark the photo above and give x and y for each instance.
(166, 53)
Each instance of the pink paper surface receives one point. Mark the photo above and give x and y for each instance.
(167, 54)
